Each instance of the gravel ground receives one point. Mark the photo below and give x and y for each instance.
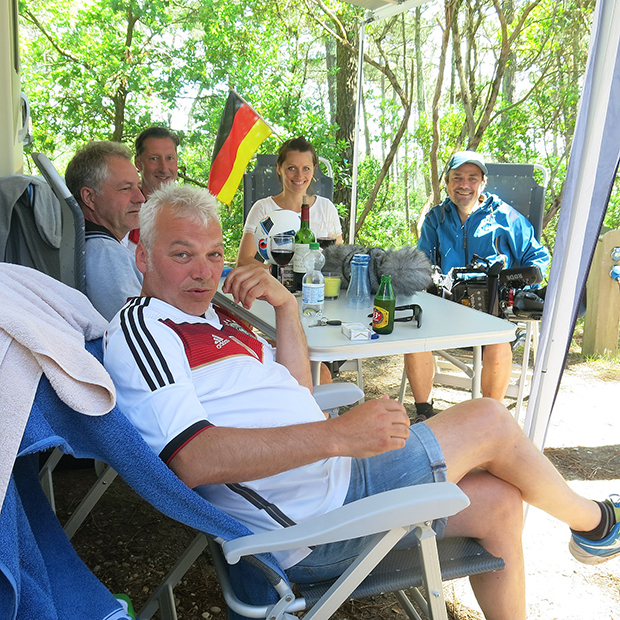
(130, 546)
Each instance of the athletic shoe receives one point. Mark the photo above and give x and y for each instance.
(598, 551)
(424, 412)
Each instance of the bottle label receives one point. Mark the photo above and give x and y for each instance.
(301, 249)
(380, 317)
(312, 294)
(288, 278)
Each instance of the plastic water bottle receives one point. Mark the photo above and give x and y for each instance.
(313, 283)
(358, 292)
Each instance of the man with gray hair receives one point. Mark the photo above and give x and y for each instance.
(236, 420)
(104, 181)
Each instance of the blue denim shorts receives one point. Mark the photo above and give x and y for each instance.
(420, 461)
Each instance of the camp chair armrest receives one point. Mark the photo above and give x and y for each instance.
(378, 513)
(332, 395)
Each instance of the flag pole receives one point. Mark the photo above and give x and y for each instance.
(273, 131)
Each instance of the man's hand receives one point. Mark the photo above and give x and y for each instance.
(251, 282)
(371, 428)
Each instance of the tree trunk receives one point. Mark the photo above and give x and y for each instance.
(330, 62)
(385, 168)
(435, 176)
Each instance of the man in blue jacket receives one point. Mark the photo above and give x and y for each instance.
(471, 222)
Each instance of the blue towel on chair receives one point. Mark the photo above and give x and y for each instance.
(41, 576)
(113, 439)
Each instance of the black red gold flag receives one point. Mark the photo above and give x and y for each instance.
(241, 132)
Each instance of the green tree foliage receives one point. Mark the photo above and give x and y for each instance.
(501, 76)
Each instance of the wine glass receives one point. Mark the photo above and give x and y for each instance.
(326, 241)
(281, 248)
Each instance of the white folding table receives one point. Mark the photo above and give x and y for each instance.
(445, 325)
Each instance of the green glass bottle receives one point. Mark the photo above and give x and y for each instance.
(303, 239)
(383, 310)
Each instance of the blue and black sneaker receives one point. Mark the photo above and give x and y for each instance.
(599, 551)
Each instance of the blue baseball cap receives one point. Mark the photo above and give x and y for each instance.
(467, 157)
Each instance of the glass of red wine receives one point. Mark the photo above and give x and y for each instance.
(281, 248)
(325, 242)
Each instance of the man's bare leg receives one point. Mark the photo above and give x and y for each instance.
(496, 369)
(420, 370)
(326, 375)
(495, 518)
(482, 433)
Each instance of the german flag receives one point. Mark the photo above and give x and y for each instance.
(240, 134)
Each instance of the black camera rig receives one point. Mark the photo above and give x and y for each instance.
(491, 288)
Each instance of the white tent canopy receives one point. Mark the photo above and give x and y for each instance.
(591, 172)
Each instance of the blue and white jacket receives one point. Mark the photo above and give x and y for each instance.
(495, 231)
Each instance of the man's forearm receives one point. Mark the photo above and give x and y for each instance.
(222, 455)
(291, 345)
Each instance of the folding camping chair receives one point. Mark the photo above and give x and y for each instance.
(254, 584)
(515, 184)
(74, 258)
(41, 230)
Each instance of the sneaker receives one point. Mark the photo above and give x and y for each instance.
(424, 412)
(598, 551)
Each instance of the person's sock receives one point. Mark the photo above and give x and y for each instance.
(608, 520)
(425, 409)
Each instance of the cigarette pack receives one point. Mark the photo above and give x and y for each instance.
(356, 331)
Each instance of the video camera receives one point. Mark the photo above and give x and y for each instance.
(492, 289)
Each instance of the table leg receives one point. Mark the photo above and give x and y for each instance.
(315, 368)
(476, 389)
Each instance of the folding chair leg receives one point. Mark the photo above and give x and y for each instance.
(327, 605)
(407, 606)
(90, 499)
(432, 573)
(167, 608)
(360, 377)
(403, 387)
(530, 344)
(163, 597)
(45, 476)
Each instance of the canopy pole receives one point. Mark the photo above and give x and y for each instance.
(356, 137)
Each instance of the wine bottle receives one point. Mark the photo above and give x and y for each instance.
(303, 239)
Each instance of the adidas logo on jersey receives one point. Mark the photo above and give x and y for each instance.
(220, 342)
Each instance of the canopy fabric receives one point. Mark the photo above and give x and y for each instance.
(592, 168)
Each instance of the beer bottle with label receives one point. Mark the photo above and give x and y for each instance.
(383, 310)
(303, 239)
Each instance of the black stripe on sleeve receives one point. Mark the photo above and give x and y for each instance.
(135, 330)
(158, 351)
(182, 439)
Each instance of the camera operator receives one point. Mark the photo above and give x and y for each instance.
(470, 222)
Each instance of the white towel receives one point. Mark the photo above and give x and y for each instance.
(43, 326)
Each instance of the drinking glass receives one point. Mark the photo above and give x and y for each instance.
(326, 241)
(281, 248)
